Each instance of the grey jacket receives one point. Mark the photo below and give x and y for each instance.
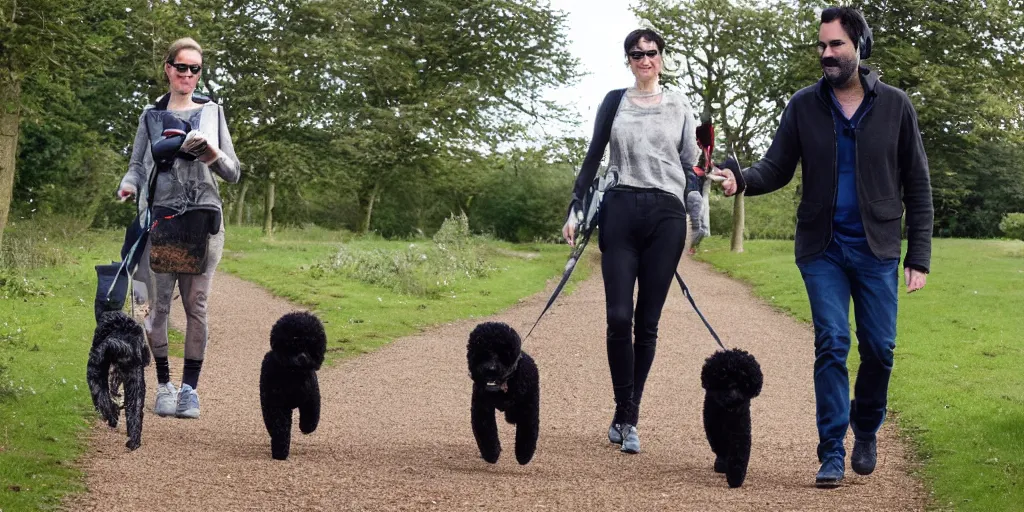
(188, 185)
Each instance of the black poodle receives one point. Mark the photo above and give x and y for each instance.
(288, 378)
(731, 379)
(119, 343)
(504, 378)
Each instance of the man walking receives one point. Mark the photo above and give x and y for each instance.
(862, 162)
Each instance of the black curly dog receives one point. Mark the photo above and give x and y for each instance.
(119, 343)
(504, 378)
(731, 379)
(288, 378)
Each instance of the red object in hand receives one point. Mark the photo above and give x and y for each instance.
(706, 141)
(706, 136)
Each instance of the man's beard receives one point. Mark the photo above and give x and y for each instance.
(838, 76)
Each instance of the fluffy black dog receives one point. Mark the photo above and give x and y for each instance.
(731, 379)
(119, 343)
(504, 378)
(288, 378)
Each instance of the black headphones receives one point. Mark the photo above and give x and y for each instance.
(866, 38)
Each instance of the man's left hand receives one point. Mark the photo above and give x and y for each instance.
(915, 279)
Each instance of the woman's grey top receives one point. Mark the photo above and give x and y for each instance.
(189, 184)
(650, 144)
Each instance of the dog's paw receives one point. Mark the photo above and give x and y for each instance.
(132, 444)
(491, 458)
(720, 465)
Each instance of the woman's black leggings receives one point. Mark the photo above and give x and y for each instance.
(641, 237)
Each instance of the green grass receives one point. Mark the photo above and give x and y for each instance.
(47, 285)
(45, 333)
(359, 317)
(957, 388)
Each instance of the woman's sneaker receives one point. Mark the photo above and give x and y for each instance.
(166, 399)
(630, 439)
(615, 433)
(188, 403)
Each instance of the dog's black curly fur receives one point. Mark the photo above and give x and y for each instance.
(119, 344)
(730, 379)
(288, 378)
(504, 378)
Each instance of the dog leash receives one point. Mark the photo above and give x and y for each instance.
(689, 297)
(569, 266)
(586, 222)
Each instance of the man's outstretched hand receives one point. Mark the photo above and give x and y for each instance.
(725, 174)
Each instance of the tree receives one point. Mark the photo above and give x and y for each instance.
(40, 49)
(442, 80)
(960, 64)
(739, 63)
(275, 65)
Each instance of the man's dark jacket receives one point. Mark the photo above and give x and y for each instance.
(891, 171)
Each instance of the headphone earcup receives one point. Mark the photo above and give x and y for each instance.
(866, 39)
(865, 45)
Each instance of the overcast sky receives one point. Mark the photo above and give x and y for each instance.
(596, 29)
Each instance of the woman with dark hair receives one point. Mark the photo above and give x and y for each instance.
(651, 133)
(173, 186)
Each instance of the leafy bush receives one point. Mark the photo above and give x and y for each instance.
(417, 269)
(525, 203)
(12, 286)
(1012, 225)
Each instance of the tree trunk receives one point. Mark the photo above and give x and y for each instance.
(268, 216)
(240, 207)
(10, 116)
(737, 223)
(369, 207)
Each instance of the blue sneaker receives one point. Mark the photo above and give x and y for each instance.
(188, 403)
(166, 400)
(831, 473)
(615, 433)
(865, 454)
(630, 439)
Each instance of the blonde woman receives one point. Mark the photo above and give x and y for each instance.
(174, 185)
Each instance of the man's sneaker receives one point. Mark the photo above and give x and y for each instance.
(865, 454)
(188, 403)
(166, 399)
(615, 433)
(831, 473)
(630, 439)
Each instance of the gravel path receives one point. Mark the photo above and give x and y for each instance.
(395, 431)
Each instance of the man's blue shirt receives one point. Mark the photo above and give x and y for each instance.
(847, 222)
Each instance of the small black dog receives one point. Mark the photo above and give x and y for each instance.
(119, 343)
(288, 378)
(504, 378)
(731, 379)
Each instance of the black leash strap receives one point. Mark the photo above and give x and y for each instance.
(570, 265)
(689, 297)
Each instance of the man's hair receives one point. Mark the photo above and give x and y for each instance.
(850, 19)
(635, 36)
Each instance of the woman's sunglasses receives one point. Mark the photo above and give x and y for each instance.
(181, 68)
(638, 55)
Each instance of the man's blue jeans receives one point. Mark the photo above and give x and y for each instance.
(849, 269)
